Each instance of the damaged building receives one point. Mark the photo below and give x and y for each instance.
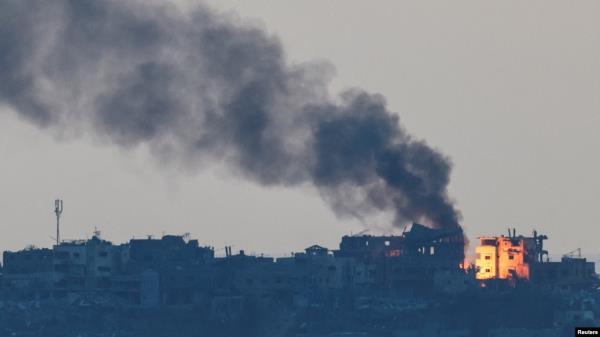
(408, 261)
(517, 258)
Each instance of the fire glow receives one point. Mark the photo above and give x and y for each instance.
(508, 257)
(501, 258)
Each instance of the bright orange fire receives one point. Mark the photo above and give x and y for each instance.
(501, 258)
(465, 264)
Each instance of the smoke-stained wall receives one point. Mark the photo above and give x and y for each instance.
(201, 87)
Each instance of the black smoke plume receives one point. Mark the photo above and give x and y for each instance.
(201, 86)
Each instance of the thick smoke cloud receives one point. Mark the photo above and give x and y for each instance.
(200, 87)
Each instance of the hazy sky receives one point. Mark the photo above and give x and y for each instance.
(510, 91)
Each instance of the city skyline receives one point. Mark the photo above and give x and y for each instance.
(517, 114)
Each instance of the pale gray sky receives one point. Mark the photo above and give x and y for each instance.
(509, 90)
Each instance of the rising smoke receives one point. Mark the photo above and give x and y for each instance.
(202, 86)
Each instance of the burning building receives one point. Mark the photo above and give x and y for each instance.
(508, 257)
(515, 258)
(406, 261)
(420, 242)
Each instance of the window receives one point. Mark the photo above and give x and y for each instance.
(103, 254)
(487, 257)
(487, 270)
(387, 242)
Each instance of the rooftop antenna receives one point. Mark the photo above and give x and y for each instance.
(96, 232)
(58, 209)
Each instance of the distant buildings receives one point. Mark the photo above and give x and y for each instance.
(175, 270)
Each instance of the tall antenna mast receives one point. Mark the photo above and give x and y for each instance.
(58, 209)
